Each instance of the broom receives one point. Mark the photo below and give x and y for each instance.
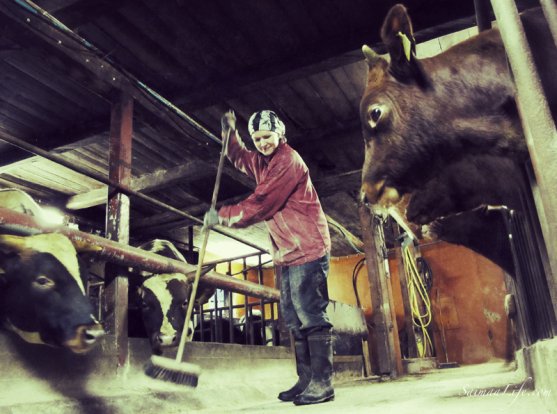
(174, 370)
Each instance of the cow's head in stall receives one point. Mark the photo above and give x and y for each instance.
(42, 294)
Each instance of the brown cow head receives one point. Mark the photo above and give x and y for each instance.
(419, 116)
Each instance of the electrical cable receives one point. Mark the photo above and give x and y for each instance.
(425, 272)
(355, 273)
(420, 303)
(346, 236)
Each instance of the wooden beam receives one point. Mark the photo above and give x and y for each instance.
(162, 178)
(155, 181)
(148, 182)
(67, 139)
(334, 183)
(85, 55)
(326, 56)
(92, 198)
(118, 222)
(384, 332)
(412, 350)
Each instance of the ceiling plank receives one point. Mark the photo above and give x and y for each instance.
(145, 183)
(87, 56)
(151, 182)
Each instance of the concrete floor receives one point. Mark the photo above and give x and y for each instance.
(478, 389)
(487, 388)
(247, 379)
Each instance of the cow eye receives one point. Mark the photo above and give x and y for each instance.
(43, 283)
(374, 115)
(185, 304)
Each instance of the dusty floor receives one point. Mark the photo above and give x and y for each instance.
(487, 388)
(251, 385)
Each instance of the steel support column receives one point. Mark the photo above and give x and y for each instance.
(483, 20)
(539, 127)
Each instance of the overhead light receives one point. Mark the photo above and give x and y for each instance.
(52, 216)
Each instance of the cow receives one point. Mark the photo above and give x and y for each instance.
(164, 299)
(445, 131)
(250, 328)
(42, 294)
(218, 330)
(245, 331)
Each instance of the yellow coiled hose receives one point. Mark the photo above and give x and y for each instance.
(420, 303)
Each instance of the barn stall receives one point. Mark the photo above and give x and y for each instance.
(112, 109)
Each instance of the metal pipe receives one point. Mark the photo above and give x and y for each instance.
(232, 259)
(538, 124)
(132, 256)
(550, 11)
(483, 20)
(122, 188)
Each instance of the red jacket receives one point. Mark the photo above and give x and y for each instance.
(284, 198)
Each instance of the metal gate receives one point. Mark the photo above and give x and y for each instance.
(535, 315)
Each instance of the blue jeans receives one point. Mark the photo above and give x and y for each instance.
(304, 296)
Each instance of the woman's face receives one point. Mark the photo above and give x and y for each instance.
(266, 142)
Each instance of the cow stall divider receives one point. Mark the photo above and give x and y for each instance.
(529, 302)
(120, 255)
(126, 255)
(228, 318)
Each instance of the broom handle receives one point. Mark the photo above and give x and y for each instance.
(206, 230)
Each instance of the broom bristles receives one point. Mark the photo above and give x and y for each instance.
(170, 370)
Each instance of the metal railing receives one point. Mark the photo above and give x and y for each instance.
(228, 319)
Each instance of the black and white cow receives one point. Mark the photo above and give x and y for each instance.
(164, 299)
(42, 294)
(251, 328)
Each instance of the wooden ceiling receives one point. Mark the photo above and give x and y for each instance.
(186, 60)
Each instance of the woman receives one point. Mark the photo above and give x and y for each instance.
(300, 243)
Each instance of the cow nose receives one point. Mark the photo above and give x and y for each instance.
(93, 333)
(372, 191)
(363, 198)
(166, 340)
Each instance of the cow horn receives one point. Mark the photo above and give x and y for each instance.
(10, 243)
(371, 56)
(82, 246)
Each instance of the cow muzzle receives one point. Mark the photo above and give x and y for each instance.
(85, 338)
(166, 340)
(379, 193)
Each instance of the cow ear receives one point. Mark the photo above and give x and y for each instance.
(398, 36)
(372, 57)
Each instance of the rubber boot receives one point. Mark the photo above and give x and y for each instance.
(320, 388)
(303, 368)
